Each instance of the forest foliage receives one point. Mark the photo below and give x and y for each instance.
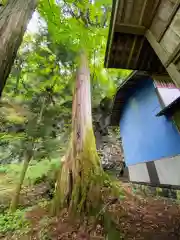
(36, 105)
(42, 78)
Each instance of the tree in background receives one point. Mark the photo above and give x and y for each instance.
(43, 117)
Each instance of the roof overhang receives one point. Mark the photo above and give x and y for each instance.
(127, 46)
(170, 109)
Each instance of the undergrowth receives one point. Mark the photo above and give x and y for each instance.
(13, 222)
(37, 171)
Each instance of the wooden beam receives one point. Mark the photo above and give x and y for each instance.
(130, 29)
(150, 12)
(142, 12)
(157, 47)
(171, 69)
(159, 77)
(177, 59)
(175, 75)
(139, 52)
(111, 35)
(174, 11)
(132, 51)
(173, 56)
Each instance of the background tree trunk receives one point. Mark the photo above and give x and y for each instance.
(14, 17)
(15, 199)
(79, 180)
(28, 156)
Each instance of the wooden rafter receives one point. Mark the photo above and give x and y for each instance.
(112, 30)
(173, 56)
(130, 29)
(143, 11)
(156, 46)
(171, 69)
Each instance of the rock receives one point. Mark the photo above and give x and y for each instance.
(111, 152)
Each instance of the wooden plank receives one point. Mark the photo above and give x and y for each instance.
(157, 47)
(129, 6)
(132, 51)
(171, 69)
(175, 9)
(176, 61)
(150, 12)
(111, 35)
(161, 77)
(175, 75)
(130, 29)
(139, 51)
(161, 18)
(137, 10)
(143, 11)
(178, 66)
(171, 38)
(173, 56)
(120, 11)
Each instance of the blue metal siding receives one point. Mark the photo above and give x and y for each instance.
(146, 137)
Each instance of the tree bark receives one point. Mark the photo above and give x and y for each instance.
(14, 17)
(79, 181)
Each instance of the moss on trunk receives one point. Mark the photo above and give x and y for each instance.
(80, 179)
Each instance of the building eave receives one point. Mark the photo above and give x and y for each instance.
(111, 31)
(127, 46)
(170, 109)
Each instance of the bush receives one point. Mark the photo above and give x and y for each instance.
(13, 222)
(37, 172)
(3, 169)
(42, 171)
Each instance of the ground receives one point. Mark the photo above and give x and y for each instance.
(133, 216)
(149, 217)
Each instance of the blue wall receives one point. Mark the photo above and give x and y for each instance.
(146, 137)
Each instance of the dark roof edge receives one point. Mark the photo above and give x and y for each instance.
(169, 108)
(123, 84)
(131, 75)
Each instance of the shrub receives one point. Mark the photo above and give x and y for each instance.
(13, 222)
(3, 169)
(37, 172)
(42, 171)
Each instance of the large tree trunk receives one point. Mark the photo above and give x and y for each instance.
(14, 17)
(79, 181)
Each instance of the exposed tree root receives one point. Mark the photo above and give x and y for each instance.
(80, 179)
